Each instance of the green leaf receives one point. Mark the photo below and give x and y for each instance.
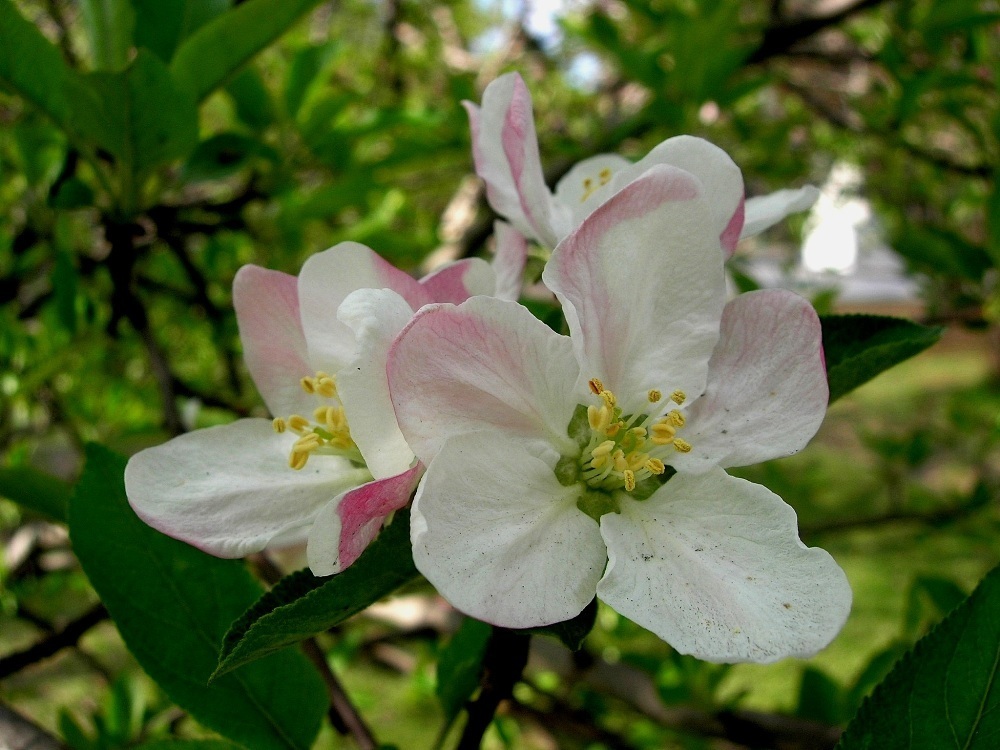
(161, 25)
(172, 605)
(859, 347)
(71, 193)
(188, 745)
(64, 287)
(460, 665)
(572, 632)
(148, 120)
(301, 604)
(109, 25)
(252, 100)
(224, 155)
(944, 693)
(820, 697)
(217, 51)
(34, 69)
(36, 491)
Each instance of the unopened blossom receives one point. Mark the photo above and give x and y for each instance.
(560, 467)
(505, 149)
(332, 463)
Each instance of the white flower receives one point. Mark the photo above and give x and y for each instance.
(333, 463)
(546, 453)
(505, 149)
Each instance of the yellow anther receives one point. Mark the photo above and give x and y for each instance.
(308, 384)
(587, 182)
(654, 395)
(599, 417)
(596, 386)
(678, 397)
(605, 176)
(629, 480)
(326, 387)
(319, 413)
(655, 466)
(306, 443)
(639, 432)
(662, 433)
(676, 418)
(297, 423)
(618, 457)
(682, 446)
(600, 462)
(636, 460)
(334, 419)
(297, 461)
(609, 399)
(603, 449)
(279, 425)
(613, 429)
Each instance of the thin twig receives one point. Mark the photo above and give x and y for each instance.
(53, 644)
(505, 660)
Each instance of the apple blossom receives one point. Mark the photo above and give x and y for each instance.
(316, 350)
(505, 149)
(559, 467)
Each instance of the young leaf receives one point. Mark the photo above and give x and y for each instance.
(944, 693)
(148, 120)
(301, 604)
(161, 25)
(859, 347)
(172, 604)
(460, 665)
(109, 25)
(36, 491)
(217, 51)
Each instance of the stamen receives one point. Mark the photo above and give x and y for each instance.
(618, 457)
(612, 430)
(596, 386)
(605, 176)
(279, 425)
(662, 433)
(678, 397)
(308, 384)
(326, 387)
(297, 423)
(654, 396)
(682, 446)
(609, 398)
(655, 466)
(629, 480)
(598, 417)
(676, 418)
(603, 449)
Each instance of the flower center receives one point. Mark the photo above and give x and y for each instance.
(624, 450)
(327, 433)
(590, 184)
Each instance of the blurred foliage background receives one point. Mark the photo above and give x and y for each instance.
(144, 159)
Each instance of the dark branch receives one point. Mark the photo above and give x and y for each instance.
(505, 659)
(53, 644)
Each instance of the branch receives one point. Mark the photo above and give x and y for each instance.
(779, 39)
(505, 660)
(53, 644)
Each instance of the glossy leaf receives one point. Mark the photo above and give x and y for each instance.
(219, 49)
(301, 604)
(461, 664)
(944, 693)
(859, 347)
(36, 491)
(172, 605)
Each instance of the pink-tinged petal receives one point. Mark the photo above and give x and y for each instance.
(325, 281)
(731, 234)
(505, 150)
(642, 287)
(500, 538)
(344, 528)
(487, 364)
(509, 260)
(721, 178)
(228, 490)
(767, 210)
(458, 281)
(767, 390)
(589, 184)
(274, 347)
(713, 565)
(375, 316)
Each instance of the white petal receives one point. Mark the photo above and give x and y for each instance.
(767, 210)
(500, 538)
(228, 490)
(486, 364)
(274, 346)
(325, 281)
(509, 260)
(767, 389)
(375, 316)
(713, 565)
(642, 287)
(721, 178)
(458, 281)
(585, 186)
(345, 527)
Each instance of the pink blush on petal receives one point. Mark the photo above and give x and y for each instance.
(731, 234)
